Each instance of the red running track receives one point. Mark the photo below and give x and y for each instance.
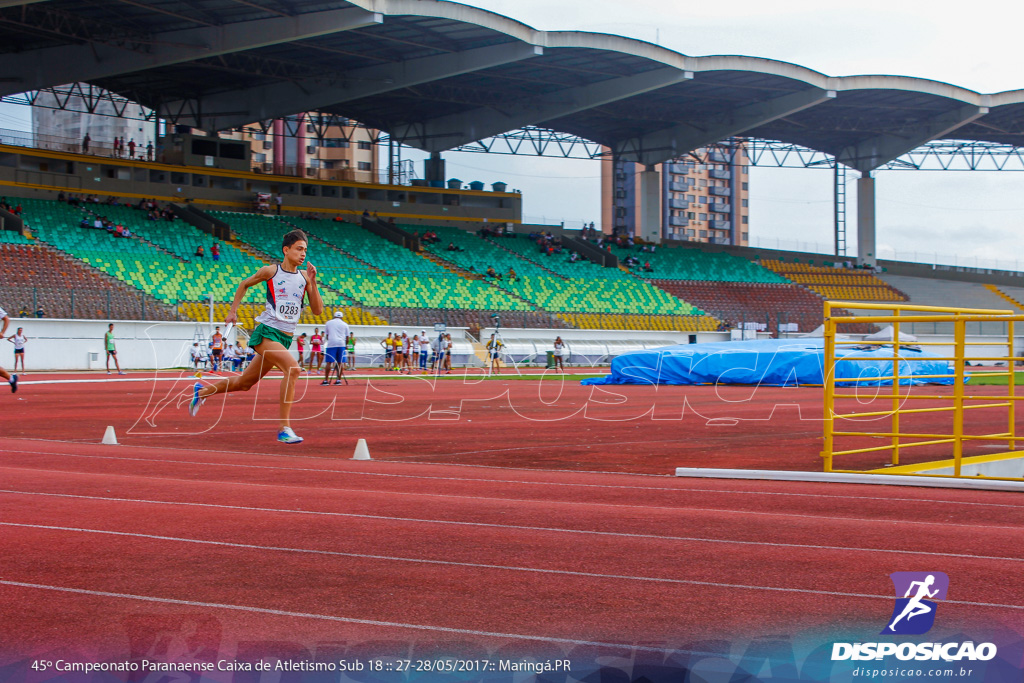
(463, 420)
(132, 550)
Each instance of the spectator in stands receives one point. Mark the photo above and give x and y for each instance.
(277, 202)
(85, 143)
(215, 251)
(23, 313)
(131, 148)
(149, 151)
(60, 196)
(40, 313)
(366, 213)
(647, 267)
(511, 274)
(200, 252)
(491, 272)
(573, 257)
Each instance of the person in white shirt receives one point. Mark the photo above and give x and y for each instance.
(19, 339)
(406, 353)
(336, 330)
(197, 356)
(559, 353)
(448, 354)
(424, 351)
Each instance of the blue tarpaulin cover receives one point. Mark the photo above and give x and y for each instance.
(772, 362)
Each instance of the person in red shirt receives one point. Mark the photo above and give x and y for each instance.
(300, 344)
(316, 349)
(215, 251)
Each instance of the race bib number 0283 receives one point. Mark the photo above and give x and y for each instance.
(288, 310)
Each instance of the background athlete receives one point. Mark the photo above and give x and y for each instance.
(287, 288)
(19, 339)
(11, 379)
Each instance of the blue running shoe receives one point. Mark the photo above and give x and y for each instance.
(286, 435)
(14, 384)
(193, 405)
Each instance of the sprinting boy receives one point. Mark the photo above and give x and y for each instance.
(287, 288)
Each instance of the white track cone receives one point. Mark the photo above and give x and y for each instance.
(109, 437)
(362, 452)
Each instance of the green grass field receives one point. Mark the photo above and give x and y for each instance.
(979, 379)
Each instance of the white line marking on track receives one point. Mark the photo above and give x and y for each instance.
(572, 503)
(490, 525)
(502, 481)
(561, 572)
(328, 617)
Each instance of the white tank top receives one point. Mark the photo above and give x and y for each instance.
(285, 292)
(19, 341)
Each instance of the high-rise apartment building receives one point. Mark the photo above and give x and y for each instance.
(703, 200)
(67, 127)
(343, 151)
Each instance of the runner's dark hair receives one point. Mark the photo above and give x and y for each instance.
(293, 237)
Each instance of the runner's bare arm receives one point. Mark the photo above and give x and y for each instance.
(316, 304)
(261, 275)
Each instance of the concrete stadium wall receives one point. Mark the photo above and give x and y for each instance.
(57, 344)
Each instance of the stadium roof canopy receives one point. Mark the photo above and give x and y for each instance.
(437, 74)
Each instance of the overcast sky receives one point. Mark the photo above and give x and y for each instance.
(967, 215)
(972, 215)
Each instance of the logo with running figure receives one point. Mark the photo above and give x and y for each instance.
(916, 593)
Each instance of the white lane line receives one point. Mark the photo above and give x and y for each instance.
(329, 617)
(514, 527)
(504, 481)
(475, 565)
(211, 376)
(541, 501)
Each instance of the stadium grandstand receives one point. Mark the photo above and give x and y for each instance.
(78, 266)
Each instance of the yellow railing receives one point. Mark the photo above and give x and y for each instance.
(957, 403)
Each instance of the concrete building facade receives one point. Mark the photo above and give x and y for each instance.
(701, 198)
(292, 146)
(67, 127)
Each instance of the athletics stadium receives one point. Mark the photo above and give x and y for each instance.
(718, 472)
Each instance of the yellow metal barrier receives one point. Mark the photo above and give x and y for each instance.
(958, 402)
